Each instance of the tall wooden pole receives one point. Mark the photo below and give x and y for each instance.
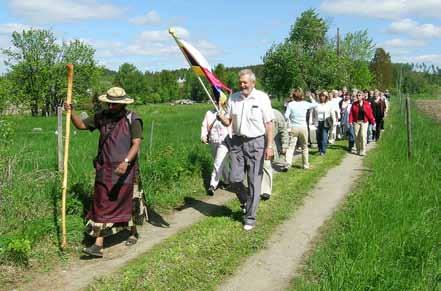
(66, 155)
(338, 41)
(409, 129)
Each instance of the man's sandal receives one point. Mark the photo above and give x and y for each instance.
(132, 240)
(94, 251)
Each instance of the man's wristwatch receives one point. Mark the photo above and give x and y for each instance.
(126, 160)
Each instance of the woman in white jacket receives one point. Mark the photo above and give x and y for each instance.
(216, 134)
(323, 118)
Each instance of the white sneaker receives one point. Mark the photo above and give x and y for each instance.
(248, 227)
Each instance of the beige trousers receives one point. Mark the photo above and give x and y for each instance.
(299, 134)
(360, 131)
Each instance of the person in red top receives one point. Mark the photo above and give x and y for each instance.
(359, 117)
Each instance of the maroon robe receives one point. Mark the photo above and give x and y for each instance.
(112, 200)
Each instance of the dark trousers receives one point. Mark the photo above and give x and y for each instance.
(322, 137)
(351, 137)
(378, 128)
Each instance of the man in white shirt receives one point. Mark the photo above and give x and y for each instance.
(250, 113)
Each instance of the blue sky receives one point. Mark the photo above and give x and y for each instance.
(235, 33)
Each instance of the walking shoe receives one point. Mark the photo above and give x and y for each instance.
(265, 196)
(306, 167)
(94, 251)
(132, 240)
(248, 227)
(211, 190)
(243, 207)
(223, 185)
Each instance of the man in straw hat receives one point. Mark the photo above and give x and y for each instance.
(115, 166)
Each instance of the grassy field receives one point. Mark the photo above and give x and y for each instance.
(172, 168)
(387, 237)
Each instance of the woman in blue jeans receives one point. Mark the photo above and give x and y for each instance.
(323, 119)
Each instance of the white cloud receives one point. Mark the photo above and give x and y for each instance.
(50, 11)
(9, 28)
(152, 17)
(414, 29)
(386, 9)
(153, 44)
(402, 43)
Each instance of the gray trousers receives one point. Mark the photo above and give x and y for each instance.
(247, 156)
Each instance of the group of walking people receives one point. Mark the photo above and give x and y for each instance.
(246, 133)
(247, 136)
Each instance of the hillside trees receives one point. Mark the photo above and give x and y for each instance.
(37, 68)
(381, 66)
(308, 59)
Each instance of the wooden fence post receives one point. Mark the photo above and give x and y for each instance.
(409, 129)
(151, 139)
(60, 145)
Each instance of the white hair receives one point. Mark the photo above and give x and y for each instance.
(249, 73)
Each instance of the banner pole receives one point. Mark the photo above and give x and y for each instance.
(173, 34)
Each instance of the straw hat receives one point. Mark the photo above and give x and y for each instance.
(116, 95)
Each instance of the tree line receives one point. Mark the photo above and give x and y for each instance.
(306, 58)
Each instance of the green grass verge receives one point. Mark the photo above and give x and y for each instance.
(388, 235)
(203, 255)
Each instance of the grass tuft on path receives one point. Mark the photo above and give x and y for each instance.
(200, 257)
(388, 235)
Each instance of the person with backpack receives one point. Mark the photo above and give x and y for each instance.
(115, 166)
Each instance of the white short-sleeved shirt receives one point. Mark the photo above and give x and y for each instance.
(249, 114)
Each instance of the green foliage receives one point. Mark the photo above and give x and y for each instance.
(381, 67)
(357, 46)
(417, 78)
(37, 69)
(5, 132)
(309, 31)
(15, 249)
(309, 60)
(283, 69)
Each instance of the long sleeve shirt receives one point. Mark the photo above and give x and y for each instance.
(213, 130)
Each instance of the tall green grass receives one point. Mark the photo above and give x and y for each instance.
(172, 167)
(388, 235)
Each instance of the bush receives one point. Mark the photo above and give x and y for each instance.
(16, 250)
(5, 131)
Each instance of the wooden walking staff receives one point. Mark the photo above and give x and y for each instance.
(66, 154)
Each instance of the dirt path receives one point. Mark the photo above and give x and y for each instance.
(81, 273)
(275, 267)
